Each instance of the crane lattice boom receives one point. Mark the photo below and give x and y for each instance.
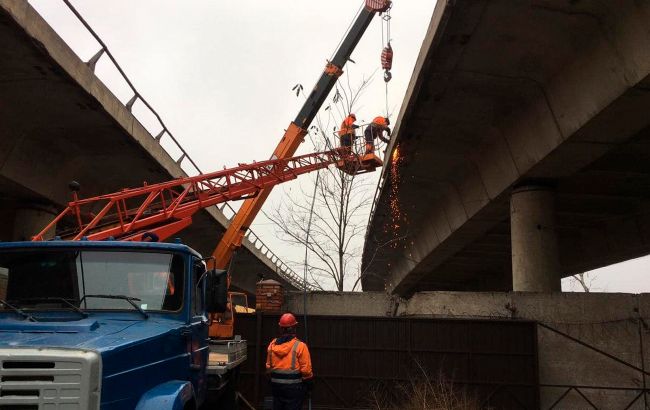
(164, 209)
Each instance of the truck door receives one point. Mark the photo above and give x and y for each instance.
(199, 331)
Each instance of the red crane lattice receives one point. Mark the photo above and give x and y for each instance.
(164, 209)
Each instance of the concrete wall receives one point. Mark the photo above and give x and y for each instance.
(614, 323)
(341, 303)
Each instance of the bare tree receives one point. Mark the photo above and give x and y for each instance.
(341, 203)
(586, 283)
(378, 248)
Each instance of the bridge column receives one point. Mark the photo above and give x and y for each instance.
(535, 257)
(29, 221)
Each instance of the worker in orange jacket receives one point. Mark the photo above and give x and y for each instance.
(289, 365)
(375, 130)
(346, 132)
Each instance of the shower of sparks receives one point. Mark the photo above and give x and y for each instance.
(397, 216)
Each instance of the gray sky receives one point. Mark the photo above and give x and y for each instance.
(220, 74)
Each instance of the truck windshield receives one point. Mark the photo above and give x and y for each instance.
(36, 278)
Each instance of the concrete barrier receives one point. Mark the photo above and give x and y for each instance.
(592, 347)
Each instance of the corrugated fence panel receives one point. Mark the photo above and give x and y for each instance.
(495, 360)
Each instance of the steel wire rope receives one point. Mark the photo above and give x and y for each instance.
(304, 292)
(305, 268)
(384, 43)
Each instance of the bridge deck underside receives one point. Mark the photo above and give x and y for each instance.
(506, 92)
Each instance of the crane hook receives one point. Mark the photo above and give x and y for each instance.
(387, 62)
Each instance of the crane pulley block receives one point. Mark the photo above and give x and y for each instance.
(387, 58)
(378, 6)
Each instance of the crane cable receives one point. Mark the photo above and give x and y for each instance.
(304, 291)
(386, 53)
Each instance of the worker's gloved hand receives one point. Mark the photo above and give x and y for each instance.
(309, 384)
(355, 126)
(388, 131)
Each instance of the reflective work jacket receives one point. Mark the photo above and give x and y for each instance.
(347, 126)
(374, 131)
(288, 362)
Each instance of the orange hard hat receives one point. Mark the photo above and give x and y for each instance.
(287, 320)
(383, 121)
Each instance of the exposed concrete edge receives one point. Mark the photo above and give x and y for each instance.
(57, 49)
(376, 304)
(572, 308)
(547, 307)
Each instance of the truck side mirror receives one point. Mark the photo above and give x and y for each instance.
(216, 291)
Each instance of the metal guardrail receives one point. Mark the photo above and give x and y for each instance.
(285, 271)
(282, 269)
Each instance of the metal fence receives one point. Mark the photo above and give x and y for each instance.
(634, 395)
(282, 268)
(493, 361)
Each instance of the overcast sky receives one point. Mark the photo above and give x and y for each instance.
(220, 75)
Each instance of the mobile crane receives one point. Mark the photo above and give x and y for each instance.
(110, 317)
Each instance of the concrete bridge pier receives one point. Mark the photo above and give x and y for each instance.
(29, 221)
(535, 258)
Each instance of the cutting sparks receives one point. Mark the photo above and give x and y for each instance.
(397, 216)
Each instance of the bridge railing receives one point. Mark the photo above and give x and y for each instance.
(375, 199)
(282, 269)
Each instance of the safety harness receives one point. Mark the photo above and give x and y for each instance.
(287, 376)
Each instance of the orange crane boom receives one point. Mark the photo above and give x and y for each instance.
(161, 210)
(295, 133)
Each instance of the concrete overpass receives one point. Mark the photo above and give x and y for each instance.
(59, 122)
(521, 154)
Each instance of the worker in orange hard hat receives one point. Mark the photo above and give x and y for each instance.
(375, 130)
(289, 365)
(346, 132)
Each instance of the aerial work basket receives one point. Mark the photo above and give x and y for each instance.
(378, 5)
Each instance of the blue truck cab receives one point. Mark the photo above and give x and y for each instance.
(110, 325)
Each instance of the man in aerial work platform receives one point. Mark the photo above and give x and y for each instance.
(289, 364)
(346, 132)
(376, 131)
